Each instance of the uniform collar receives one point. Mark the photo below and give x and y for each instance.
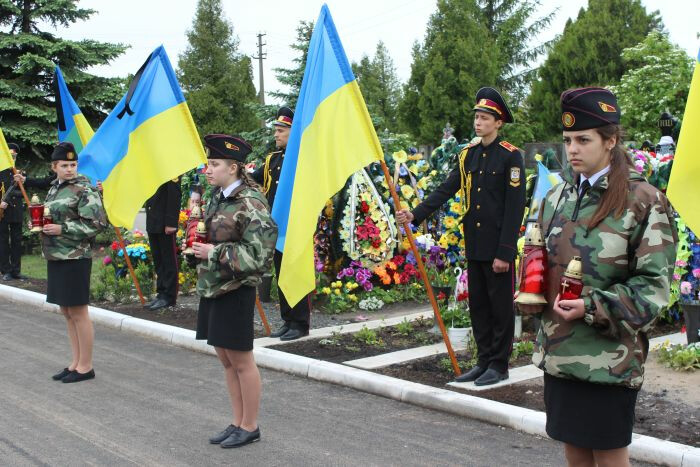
(229, 189)
(495, 141)
(594, 178)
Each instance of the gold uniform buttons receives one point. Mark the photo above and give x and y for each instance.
(478, 206)
(478, 224)
(478, 189)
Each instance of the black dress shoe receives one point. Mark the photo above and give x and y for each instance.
(7, 277)
(491, 376)
(76, 377)
(160, 303)
(281, 331)
(294, 334)
(150, 304)
(62, 374)
(471, 375)
(219, 437)
(241, 437)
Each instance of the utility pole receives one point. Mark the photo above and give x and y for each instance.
(261, 56)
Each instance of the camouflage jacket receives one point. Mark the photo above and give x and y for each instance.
(627, 270)
(77, 207)
(244, 237)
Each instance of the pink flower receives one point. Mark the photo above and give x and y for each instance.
(676, 277)
(681, 264)
(696, 273)
(686, 288)
(106, 260)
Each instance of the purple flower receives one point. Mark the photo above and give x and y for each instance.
(355, 264)
(367, 286)
(410, 258)
(106, 260)
(676, 277)
(686, 288)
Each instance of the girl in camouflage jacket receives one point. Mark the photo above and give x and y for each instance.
(593, 349)
(77, 217)
(241, 241)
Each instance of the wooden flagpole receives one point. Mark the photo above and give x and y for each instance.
(128, 264)
(262, 315)
(423, 274)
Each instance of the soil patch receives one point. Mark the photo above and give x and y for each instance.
(366, 343)
(658, 413)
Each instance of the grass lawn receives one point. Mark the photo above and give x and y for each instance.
(35, 266)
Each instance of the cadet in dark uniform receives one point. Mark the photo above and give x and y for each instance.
(11, 223)
(490, 179)
(162, 214)
(297, 318)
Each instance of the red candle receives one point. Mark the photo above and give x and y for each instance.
(200, 234)
(36, 214)
(48, 218)
(571, 284)
(533, 269)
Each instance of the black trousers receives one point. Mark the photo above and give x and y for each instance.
(165, 261)
(10, 247)
(299, 316)
(492, 313)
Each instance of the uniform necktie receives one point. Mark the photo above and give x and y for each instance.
(221, 197)
(585, 186)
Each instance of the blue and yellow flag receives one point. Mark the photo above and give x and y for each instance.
(331, 138)
(72, 126)
(683, 188)
(148, 139)
(6, 160)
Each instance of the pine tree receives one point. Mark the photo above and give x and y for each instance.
(457, 58)
(512, 28)
(588, 53)
(216, 79)
(292, 77)
(28, 56)
(380, 86)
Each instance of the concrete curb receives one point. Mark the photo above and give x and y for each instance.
(643, 448)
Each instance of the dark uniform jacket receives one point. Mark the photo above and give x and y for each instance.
(497, 200)
(163, 208)
(14, 200)
(268, 176)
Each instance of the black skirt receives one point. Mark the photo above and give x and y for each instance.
(589, 415)
(227, 321)
(68, 281)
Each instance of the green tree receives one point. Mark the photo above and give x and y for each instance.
(216, 79)
(512, 27)
(588, 53)
(292, 77)
(657, 79)
(28, 56)
(380, 86)
(458, 57)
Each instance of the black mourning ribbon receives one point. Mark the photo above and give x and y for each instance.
(59, 105)
(132, 89)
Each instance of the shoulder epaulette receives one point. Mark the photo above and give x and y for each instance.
(508, 146)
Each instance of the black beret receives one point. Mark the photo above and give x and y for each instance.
(64, 152)
(586, 108)
(284, 118)
(489, 100)
(227, 147)
(13, 146)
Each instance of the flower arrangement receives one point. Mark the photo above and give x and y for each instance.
(452, 231)
(322, 238)
(655, 167)
(398, 270)
(367, 229)
(689, 287)
(436, 263)
(138, 252)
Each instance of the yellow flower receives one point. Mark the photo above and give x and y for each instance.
(413, 169)
(538, 157)
(452, 239)
(400, 156)
(407, 191)
(449, 222)
(433, 173)
(405, 244)
(456, 207)
(337, 291)
(443, 242)
(422, 183)
(415, 202)
(326, 290)
(352, 298)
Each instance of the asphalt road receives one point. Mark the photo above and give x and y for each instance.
(156, 404)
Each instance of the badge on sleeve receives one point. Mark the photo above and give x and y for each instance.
(515, 176)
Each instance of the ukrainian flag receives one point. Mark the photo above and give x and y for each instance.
(72, 126)
(331, 138)
(683, 189)
(6, 160)
(148, 139)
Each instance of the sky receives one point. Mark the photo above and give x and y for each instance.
(146, 24)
